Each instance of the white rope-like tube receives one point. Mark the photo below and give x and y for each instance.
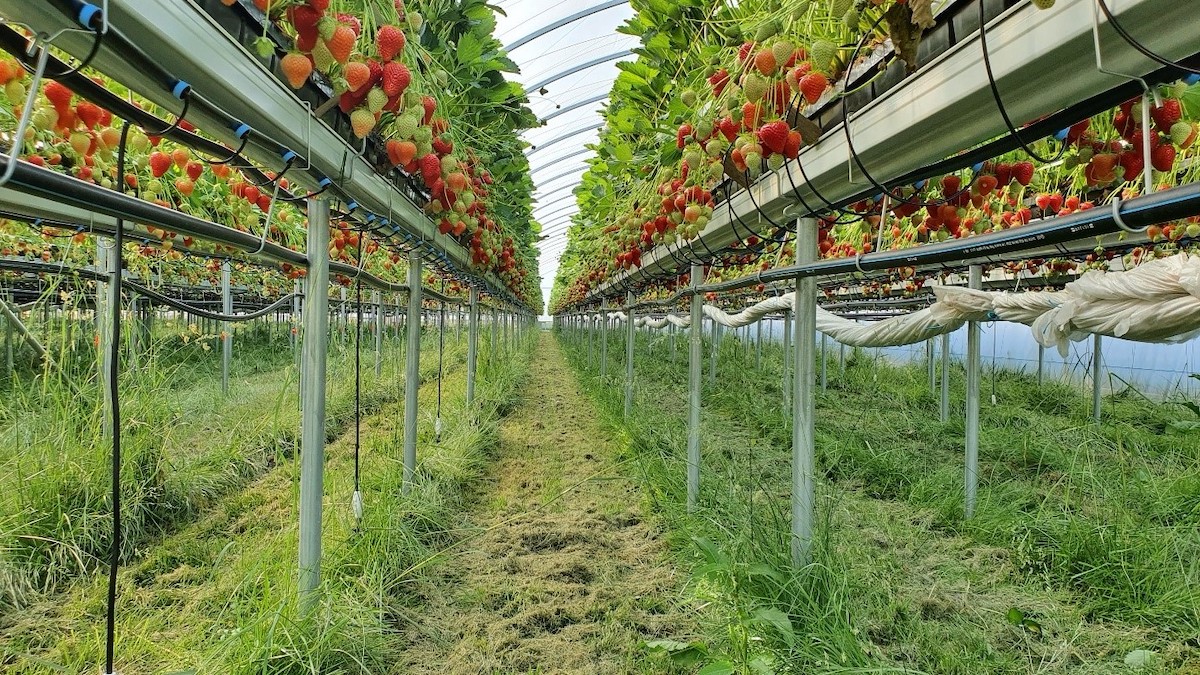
(1158, 301)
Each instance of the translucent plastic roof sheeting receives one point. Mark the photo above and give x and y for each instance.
(591, 47)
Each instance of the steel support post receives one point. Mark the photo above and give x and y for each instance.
(8, 345)
(944, 403)
(929, 364)
(803, 406)
(695, 366)
(105, 263)
(344, 311)
(787, 361)
(226, 327)
(412, 370)
(824, 362)
(630, 338)
(841, 359)
(312, 404)
(1097, 342)
(472, 346)
(293, 327)
(591, 337)
(758, 331)
(975, 280)
(716, 351)
(603, 340)
(1041, 363)
(377, 301)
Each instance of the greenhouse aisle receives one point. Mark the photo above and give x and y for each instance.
(566, 575)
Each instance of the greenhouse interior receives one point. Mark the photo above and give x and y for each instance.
(599, 337)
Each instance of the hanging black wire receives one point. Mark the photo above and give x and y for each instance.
(1012, 129)
(441, 348)
(357, 390)
(1112, 20)
(114, 355)
(87, 60)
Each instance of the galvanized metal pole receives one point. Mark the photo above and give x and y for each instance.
(787, 360)
(591, 337)
(944, 405)
(603, 340)
(630, 337)
(105, 262)
(312, 404)
(8, 345)
(824, 363)
(412, 370)
(975, 280)
(1041, 362)
(377, 300)
(929, 364)
(695, 364)
(226, 327)
(803, 401)
(758, 331)
(293, 327)
(716, 350)
(1097, 341)
(472, 346)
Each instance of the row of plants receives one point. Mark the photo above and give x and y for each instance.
(718, 95)
(470, 157)
(220, 594)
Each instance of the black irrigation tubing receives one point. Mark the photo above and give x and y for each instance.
(1012, 129)
(114, 359)
(13, 42)
(1112, 21)
(357, 387)
(205, 314)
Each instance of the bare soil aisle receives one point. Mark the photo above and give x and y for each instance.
(564, 575)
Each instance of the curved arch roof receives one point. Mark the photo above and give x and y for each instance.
(568, 67)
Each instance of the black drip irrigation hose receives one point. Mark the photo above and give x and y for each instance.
(114, 355)
(357, 499)
(1012, 129)
(1112, 20)
(437, 425)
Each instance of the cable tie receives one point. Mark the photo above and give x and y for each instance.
(181, 89)
(1116, 215)
(86, 13)
(241, 131)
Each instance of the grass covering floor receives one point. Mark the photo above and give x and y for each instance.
(1083, 553)
(560, 570)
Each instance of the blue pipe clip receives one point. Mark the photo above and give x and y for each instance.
(289, 156)
(241, 130)
(181, 89)
(354, 205)
(1062, 135)
(324, 182)
(87, 12)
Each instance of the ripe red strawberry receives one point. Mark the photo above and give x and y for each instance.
(430, 105)
(341, 43)
(88, 113)
(296, 68)
(812, 86)
(1132, 164)
(1023, 172)
(791, 149)
(350, 100)
(682, 135)
(1101, 170)
(389, 42)
(159, 164)
(431, 168)
(951, 184)
(60, 97)
(765, 61)
(744, 51)
(984, 185)
(719, 80)
(750, 116)
(728, 128)
(304, 19)
(194, 170)
(1162, 158)
(774, 136)
(396, 78)
(443, 146)
(352, 21)
(358, 75)
(1167, 114)
(1003, 172)
(405, 152)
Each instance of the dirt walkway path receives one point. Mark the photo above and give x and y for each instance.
(566, 576)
